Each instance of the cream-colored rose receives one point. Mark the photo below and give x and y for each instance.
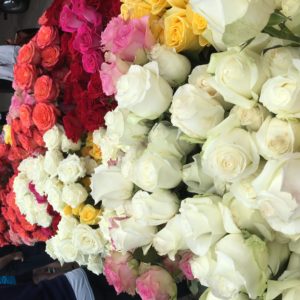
(276, 138)
(170, 239)
(52, 160)
(52, 138)
(74, 194)
(251, 118)
(87, 240)
(156, 208)
(208, 295)
(278, 256)
(144, 92)
(280, 95)
(173, 67)
(53, 190)
(127, 234)
(66, 227)
(66, 250)
(68, 145)
(110, 186)
(231, 23)
(238, 76)
(95, 264)
(90, 165)
(71, 169)
(194, 111)
(230, 156)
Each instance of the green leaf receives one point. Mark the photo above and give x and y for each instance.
(277, 18)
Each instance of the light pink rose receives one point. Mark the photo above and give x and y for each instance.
(92, 61)
(185, 265)
(86, 39)
(156, 283)
(121, 271)
(88, 13)
(111, 70)
(68, 20)
(125, 38)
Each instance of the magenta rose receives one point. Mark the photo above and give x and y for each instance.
(111, 70)
(125, 38)
(68, 21)
(121, 271)
(156, 283)
(81, 9)
(185, 265)
(92, 61)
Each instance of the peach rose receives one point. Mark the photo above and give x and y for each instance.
(44, 116)
(46, 36)
(38, 138)
(25, 115)
(50, 56)
(45, 89)
(29, 54)
(25, 76)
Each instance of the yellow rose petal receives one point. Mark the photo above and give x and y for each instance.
(7, 134)
(76, 210)
(132, 9)
(158, 6)
(178, 3)
(68, 210)
(89, 215)
(198, 22)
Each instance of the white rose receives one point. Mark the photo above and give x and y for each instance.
(50, 248)
(173, 67)
(276, 138)
(105, 225)
(90, 165)
(156, 208)
(280, 95)
(226, 20)
(153, 170)
(127, 234)
(66, 250)
(68, 145)
(42, 216)
(39, 174)
(165, 139)
(74, 194)
(241, 265)
(71, 169)
(87, 240)
(290, 8)
(278, 256)
(66, 227)
(52, 160)
(53, 189)
(20, 185)
(288, 284)
(251, 118)
(277, 194)
(25, 166)
(238, 76)
(95, 264)
(27, 204)
(196, 180)
(208, 295)
(279, 61)
(201, 212)
(124, 128)
(52, 138)
(144, 92)
(110, 186)
(170, 239)
(194, 111)
(231, 156)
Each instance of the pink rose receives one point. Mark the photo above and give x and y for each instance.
(125, 38)
(121, 271)
(92, 61)
(111, 70)
(185, 265)
(156, 283)
(86, 39)
(88, 13)
(68, 20)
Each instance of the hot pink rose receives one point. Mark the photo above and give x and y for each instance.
(92, 61)
(88, 13)
(86, 39)
(68, 21)
(156, 283)
(185, 265)
(121, 271)
(111, 71)
(125, 38)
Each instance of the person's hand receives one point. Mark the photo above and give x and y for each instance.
(18, 256)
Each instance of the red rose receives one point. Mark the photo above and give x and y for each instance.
(45, 89)
(95, 87)
(72, 126)
(44, 116)
(38, 138)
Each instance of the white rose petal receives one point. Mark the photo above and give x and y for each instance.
(52, 138)
(52, 160)
(74, 194)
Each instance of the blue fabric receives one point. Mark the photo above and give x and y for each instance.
(8, 280)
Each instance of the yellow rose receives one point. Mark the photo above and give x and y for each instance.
(178, 31)
(89, 215)
(132, 9)
(85, 151)
(95, 152)
(89, 140)
(158, 6)
(68, 210)
(157, 28)
(178, 3)
(7, 134)
(198, 22)
(76, 211)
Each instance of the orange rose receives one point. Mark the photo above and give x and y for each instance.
(25, 115)
(50, 56)
(44, 116)
(29, 54)
(38, 138)
(25, 75)
(45, 89)
(46, 36)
